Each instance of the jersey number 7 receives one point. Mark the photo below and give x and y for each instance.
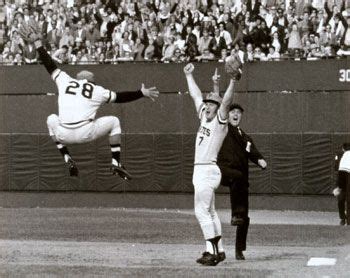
(74, 88)
(201, 140)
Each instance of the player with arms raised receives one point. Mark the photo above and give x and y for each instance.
(213, 114)
(78, 101)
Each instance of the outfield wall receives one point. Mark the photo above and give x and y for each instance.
(297, 132)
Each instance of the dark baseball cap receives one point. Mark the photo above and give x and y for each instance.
(346, 146)
(236, 106)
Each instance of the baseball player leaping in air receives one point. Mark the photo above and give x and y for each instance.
(78, 101)
(213, 114)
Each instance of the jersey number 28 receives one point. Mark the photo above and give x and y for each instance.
(74, 88)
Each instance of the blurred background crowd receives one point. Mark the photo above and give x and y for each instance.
(113, 31)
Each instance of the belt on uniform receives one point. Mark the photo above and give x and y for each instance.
(89, 120)
(206, 163)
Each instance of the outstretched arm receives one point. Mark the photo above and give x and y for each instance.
(30, 32)
(227, 100)
(233, 68)
(216, 79)
(45, 57)
(195, 92)
(151, 93)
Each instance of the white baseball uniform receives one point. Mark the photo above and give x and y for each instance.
(206, 174)
(78, 102)
(344, 164)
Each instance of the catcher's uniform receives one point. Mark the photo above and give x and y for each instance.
(78, 102)
(206, 174)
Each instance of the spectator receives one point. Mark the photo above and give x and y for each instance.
(61, 55)
(179, 42)
(30, 54)
(345, 39)
(219, 43)
(237, 51)
(294, 41)
(260, 23)
(67, 37)
(54, 35)
(126, 45)
(138, 50)
(178, 56)
(225, 34)
(273, 54)
(205, 42)
(149, 51)
(206, 56)
(249, 54)
(276, 42)
(223, 55)
(92, 34)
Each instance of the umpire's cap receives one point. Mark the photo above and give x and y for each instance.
(346, 146)
(236, 106)
(214, 98)
(84, 74)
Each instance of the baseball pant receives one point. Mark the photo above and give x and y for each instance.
(343, 182)
(240, 208)
(206, 179)
(84, 133)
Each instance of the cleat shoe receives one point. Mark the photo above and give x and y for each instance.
(221, 256)
(237, 221)
(72, 167)
(121, 171)
(208, 259)
(239, 255)
(342, 222)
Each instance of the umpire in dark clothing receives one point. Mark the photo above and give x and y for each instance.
(237, 149)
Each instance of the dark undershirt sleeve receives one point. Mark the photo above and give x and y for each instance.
(128, 96)
(47, 60)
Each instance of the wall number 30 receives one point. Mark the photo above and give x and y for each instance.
(344, 75)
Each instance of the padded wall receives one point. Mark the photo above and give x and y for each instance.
(297, 163)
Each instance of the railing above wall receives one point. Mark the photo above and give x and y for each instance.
(321, 75)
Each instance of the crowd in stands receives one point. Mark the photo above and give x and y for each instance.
(97, 31)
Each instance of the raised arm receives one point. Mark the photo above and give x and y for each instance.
(227, 100)
(233, 67)
(216, 79)
(31, 33)
(195, 92)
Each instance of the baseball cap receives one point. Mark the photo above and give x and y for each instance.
(346, 146)
(236, 106)
(84, 74)
(214, 98)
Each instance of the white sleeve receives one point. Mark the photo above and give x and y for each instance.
(61, 78)
(220, 119)
(106, 96)
(201, 110)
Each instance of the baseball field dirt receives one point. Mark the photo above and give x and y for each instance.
(107, 242)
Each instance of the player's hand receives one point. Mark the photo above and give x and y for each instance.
(233, 67)
(151, 93)
(216, 77)
(336, 192)
(262, 163)
(188, 69)
(30, 32)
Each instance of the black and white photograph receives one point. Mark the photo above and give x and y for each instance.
(175, 138)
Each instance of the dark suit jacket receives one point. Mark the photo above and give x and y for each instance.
(233, 157)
